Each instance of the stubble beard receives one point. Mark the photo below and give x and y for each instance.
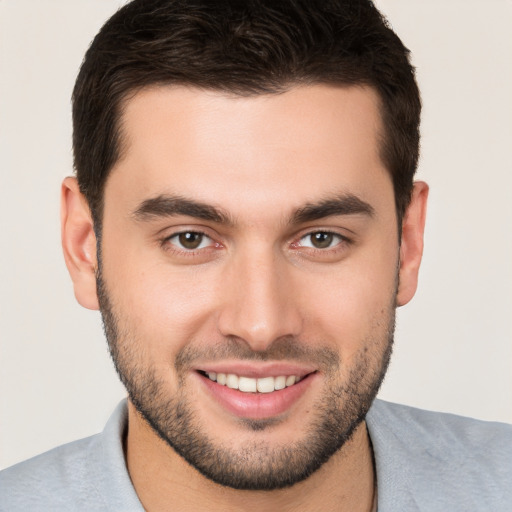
(258, 466)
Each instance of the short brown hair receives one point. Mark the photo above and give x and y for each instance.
(245, 47)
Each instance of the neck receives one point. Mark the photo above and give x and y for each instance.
(161, 477)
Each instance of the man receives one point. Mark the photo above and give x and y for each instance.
(245, 217)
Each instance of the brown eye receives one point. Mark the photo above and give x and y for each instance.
(190, 240)
(321, 240)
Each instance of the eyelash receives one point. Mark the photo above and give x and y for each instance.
(342, 240)
(169, 246)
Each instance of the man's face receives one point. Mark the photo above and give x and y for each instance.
(251, 242)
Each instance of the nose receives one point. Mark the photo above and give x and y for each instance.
(259, 302)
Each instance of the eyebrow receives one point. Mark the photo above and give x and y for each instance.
(171, 206)
(345, 204)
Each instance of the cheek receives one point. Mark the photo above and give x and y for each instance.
(163, 308)
(355, 302)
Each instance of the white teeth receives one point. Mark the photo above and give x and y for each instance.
(266, 384)
(280, 382)
(251, 385)
(247, 384)
(290, 380)
(232, 381)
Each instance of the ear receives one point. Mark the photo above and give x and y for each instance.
(79, 243)
(411, 247)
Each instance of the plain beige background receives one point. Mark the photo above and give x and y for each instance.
(454, 341)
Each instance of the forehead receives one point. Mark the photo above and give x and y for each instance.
(264, 150)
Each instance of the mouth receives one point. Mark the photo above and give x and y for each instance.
(267, 384)
(257, 394)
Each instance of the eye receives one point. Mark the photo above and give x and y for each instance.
(321, 240)
(190, 240)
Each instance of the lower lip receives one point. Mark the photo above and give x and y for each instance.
(258, 405)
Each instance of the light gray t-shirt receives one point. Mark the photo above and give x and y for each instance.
(425, 461)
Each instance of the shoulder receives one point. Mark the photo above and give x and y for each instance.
(51, 481)
(455, 461)
(443, 428)
(86, 475)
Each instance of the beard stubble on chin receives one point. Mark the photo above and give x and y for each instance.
(257, 466)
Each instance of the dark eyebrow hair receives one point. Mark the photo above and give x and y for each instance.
(171, 205)
(346, 204)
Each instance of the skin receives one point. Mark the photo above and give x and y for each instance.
(256, 278)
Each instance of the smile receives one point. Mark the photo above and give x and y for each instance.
(257, 391)
(252, 385)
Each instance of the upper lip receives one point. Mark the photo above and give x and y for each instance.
(257, 370)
